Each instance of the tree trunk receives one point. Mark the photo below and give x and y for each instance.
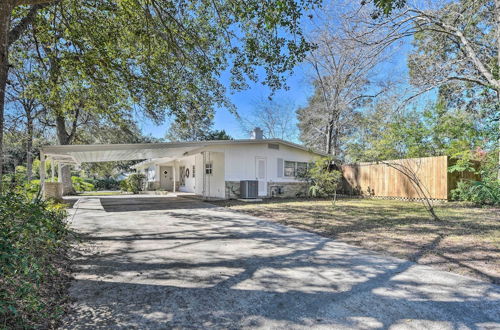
(64, 139)
(328, 138)
(29, 147)
(5, 14)
(497, 15)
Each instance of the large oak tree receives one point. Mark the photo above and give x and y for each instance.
(164, 54)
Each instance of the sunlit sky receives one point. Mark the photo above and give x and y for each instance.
(299, 83)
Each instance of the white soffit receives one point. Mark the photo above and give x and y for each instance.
(121, 152)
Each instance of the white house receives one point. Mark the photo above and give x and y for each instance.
(215, 168)
(212, 169)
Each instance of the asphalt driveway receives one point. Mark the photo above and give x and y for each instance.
(181, 263)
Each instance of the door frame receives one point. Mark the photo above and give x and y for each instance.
(262, 183)
(169, 182)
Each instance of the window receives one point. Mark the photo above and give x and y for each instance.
(274, 146)
(194, 167)
(208, 168)
(301, 169)
(293, 169)
(289, 168)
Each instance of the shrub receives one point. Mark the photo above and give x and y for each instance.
(107, 184)
(124, 185)
(33, 242)
(81, 185)
(324, 179)
(478, 192)
(135, 182)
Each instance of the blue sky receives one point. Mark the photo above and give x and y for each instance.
(245, 102)
(297, 94)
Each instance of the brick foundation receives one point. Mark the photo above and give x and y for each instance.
(274, 189)
(53, 190)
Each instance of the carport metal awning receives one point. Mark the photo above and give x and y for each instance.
(76, 154)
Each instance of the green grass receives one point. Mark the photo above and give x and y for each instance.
(101, 193)
(466, 240)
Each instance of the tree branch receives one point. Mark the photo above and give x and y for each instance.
(33, 2)
(26, 21)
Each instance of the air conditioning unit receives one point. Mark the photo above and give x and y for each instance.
(249, 189)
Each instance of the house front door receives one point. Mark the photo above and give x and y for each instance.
(261, 174)
(166, 178)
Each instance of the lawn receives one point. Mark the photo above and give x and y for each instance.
(465, 241)
(102, 193)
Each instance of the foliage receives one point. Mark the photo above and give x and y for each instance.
(478, 192)
(33, 236)
(343, 72)
(454, 47)
(197, 126)
(81, 185)
(437, 130)
(106, 184)
(134, 183)
(124, 185)
(163, 56)
(192, 126)
(217, 135)
(323, 178)
(274, 116)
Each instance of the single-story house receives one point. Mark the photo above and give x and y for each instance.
(212, 169)
(215, 168)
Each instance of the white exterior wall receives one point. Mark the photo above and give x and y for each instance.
(240, 161)
(234, 162)
(214, 184)
(190, 183)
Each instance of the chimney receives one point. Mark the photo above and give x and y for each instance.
(257, 133)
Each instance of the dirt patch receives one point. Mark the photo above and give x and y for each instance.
(466, 241)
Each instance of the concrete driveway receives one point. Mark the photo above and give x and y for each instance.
(180, 263)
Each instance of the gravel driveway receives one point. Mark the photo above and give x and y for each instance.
(161, 262)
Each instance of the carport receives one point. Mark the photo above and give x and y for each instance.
(74, 155)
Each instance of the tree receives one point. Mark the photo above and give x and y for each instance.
(193, 125)
(217, 135)
(274, 117)
(196, 127)
(164, 53)
(27, 108)
(344, 79)
(12, 26)
(437, 130)
(457, 43)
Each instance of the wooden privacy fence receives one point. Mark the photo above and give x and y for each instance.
(384, 179)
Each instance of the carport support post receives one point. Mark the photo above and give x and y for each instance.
(42, 171)
(59, 172)
(53, 169)
(174, 176)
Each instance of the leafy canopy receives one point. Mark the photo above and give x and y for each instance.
(164, 56)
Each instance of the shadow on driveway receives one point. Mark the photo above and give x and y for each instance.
(212, 268)
(120, 204)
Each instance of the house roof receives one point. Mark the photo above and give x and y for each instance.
(81, 153)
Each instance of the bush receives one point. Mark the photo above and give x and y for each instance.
(107, 184)
(134, 183)
(323, 178)
(81, 185)
(478, 192)
(33, 242)
(124, 185)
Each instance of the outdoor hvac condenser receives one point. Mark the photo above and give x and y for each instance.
(249, 188)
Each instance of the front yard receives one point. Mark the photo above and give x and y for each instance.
(466, 241)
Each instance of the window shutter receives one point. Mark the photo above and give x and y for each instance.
(280, 167)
